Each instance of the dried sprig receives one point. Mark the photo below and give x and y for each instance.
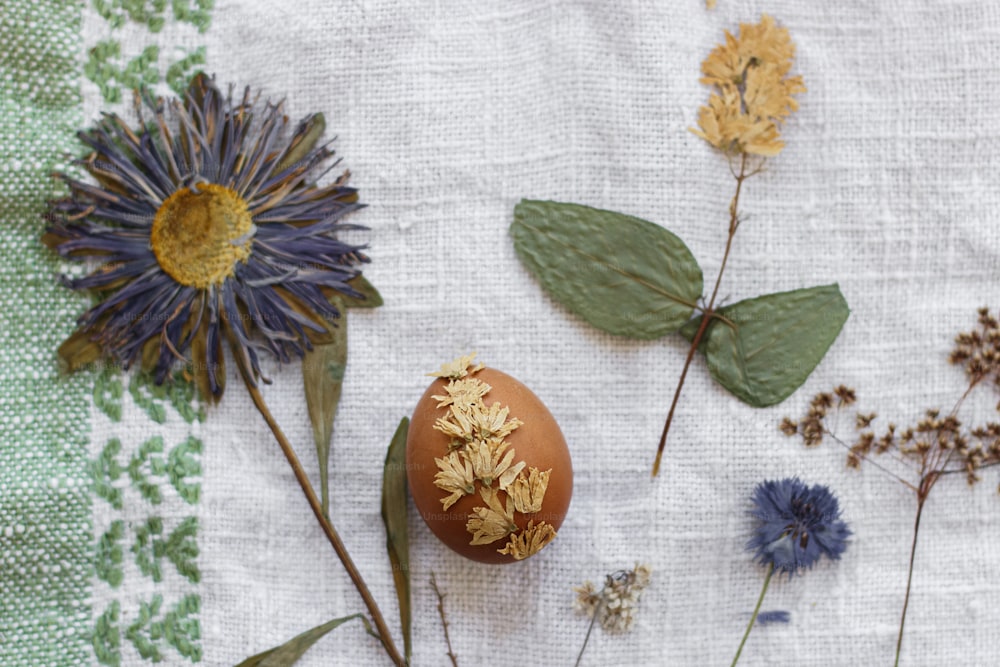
(614, 604)
(634, 278)
(936, 445)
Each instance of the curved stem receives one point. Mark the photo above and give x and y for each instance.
(709, 312)
(331, 534)
(909, 577)
(756, 610)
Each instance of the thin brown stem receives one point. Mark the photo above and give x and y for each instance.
(444, 620)
(909, 577)
(331, 534)
(870, 461)
(707, 314)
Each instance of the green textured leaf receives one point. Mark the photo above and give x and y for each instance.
(323, 370)
(372, 299)
(624, 275)
(770, 344)
(288, 653)
(394, 500)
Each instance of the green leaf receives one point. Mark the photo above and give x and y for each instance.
(394, 500)
(766, 347)
(288, 653)
(372, 299)
(323, 370)
(624, 275)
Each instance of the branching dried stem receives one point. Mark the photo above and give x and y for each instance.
(708, 313)
(338, 546)
(934, 447)
(444, 620)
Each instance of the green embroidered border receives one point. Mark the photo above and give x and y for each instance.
(46, 537)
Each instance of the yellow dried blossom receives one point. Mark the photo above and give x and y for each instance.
(754, 93)
(458, 368)
(488, 465)
(528, 491)
(463, 393)
(529, 541)
(491, 423)
(456, 477)
(491, 523)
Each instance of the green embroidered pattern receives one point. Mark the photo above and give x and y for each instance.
(176, 629)
(116, 72)
(106, 471)
(108, 559)
(108, 394)
(180, 548)
(133, 478)
(107, 638)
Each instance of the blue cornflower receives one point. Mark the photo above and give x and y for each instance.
(796, 525)
(208, 231)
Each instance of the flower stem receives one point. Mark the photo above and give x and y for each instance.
(756, 610)
(909, 577)
(444, 620)
(707, 314)
(338, 546)
(590, 628)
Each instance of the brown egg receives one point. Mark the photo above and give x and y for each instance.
(453, 451)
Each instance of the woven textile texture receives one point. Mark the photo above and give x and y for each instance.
(137, 524)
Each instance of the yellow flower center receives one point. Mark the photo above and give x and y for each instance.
(198, 237)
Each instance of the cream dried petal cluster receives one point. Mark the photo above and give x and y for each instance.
(615, 604)
(754, 93)
(455, 475)
(493, 522)
(488, 465)
(529, 491)
(529, 541)
(463, 394)
(458, 368)
(491, 423)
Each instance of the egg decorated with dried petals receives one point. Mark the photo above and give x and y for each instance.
(487, 465)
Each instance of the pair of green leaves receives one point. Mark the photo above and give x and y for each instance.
(633, 278)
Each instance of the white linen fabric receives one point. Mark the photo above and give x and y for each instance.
(447, 114)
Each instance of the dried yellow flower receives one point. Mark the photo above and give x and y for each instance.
(529, 491)
(754, 93)
(457, 369)
(529, 541)
(491, 423)
(456, 477)
(491, 523)
(463, 394)
(488, 465)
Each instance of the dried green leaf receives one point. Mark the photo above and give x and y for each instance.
(323, 370)
(766, 347)
(288, 653)
(394, 501)
(372, 299)
(308, 134)
(79, 350)
(622, 274)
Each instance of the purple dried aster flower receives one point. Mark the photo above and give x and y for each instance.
(797, 524)
(210, 230)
